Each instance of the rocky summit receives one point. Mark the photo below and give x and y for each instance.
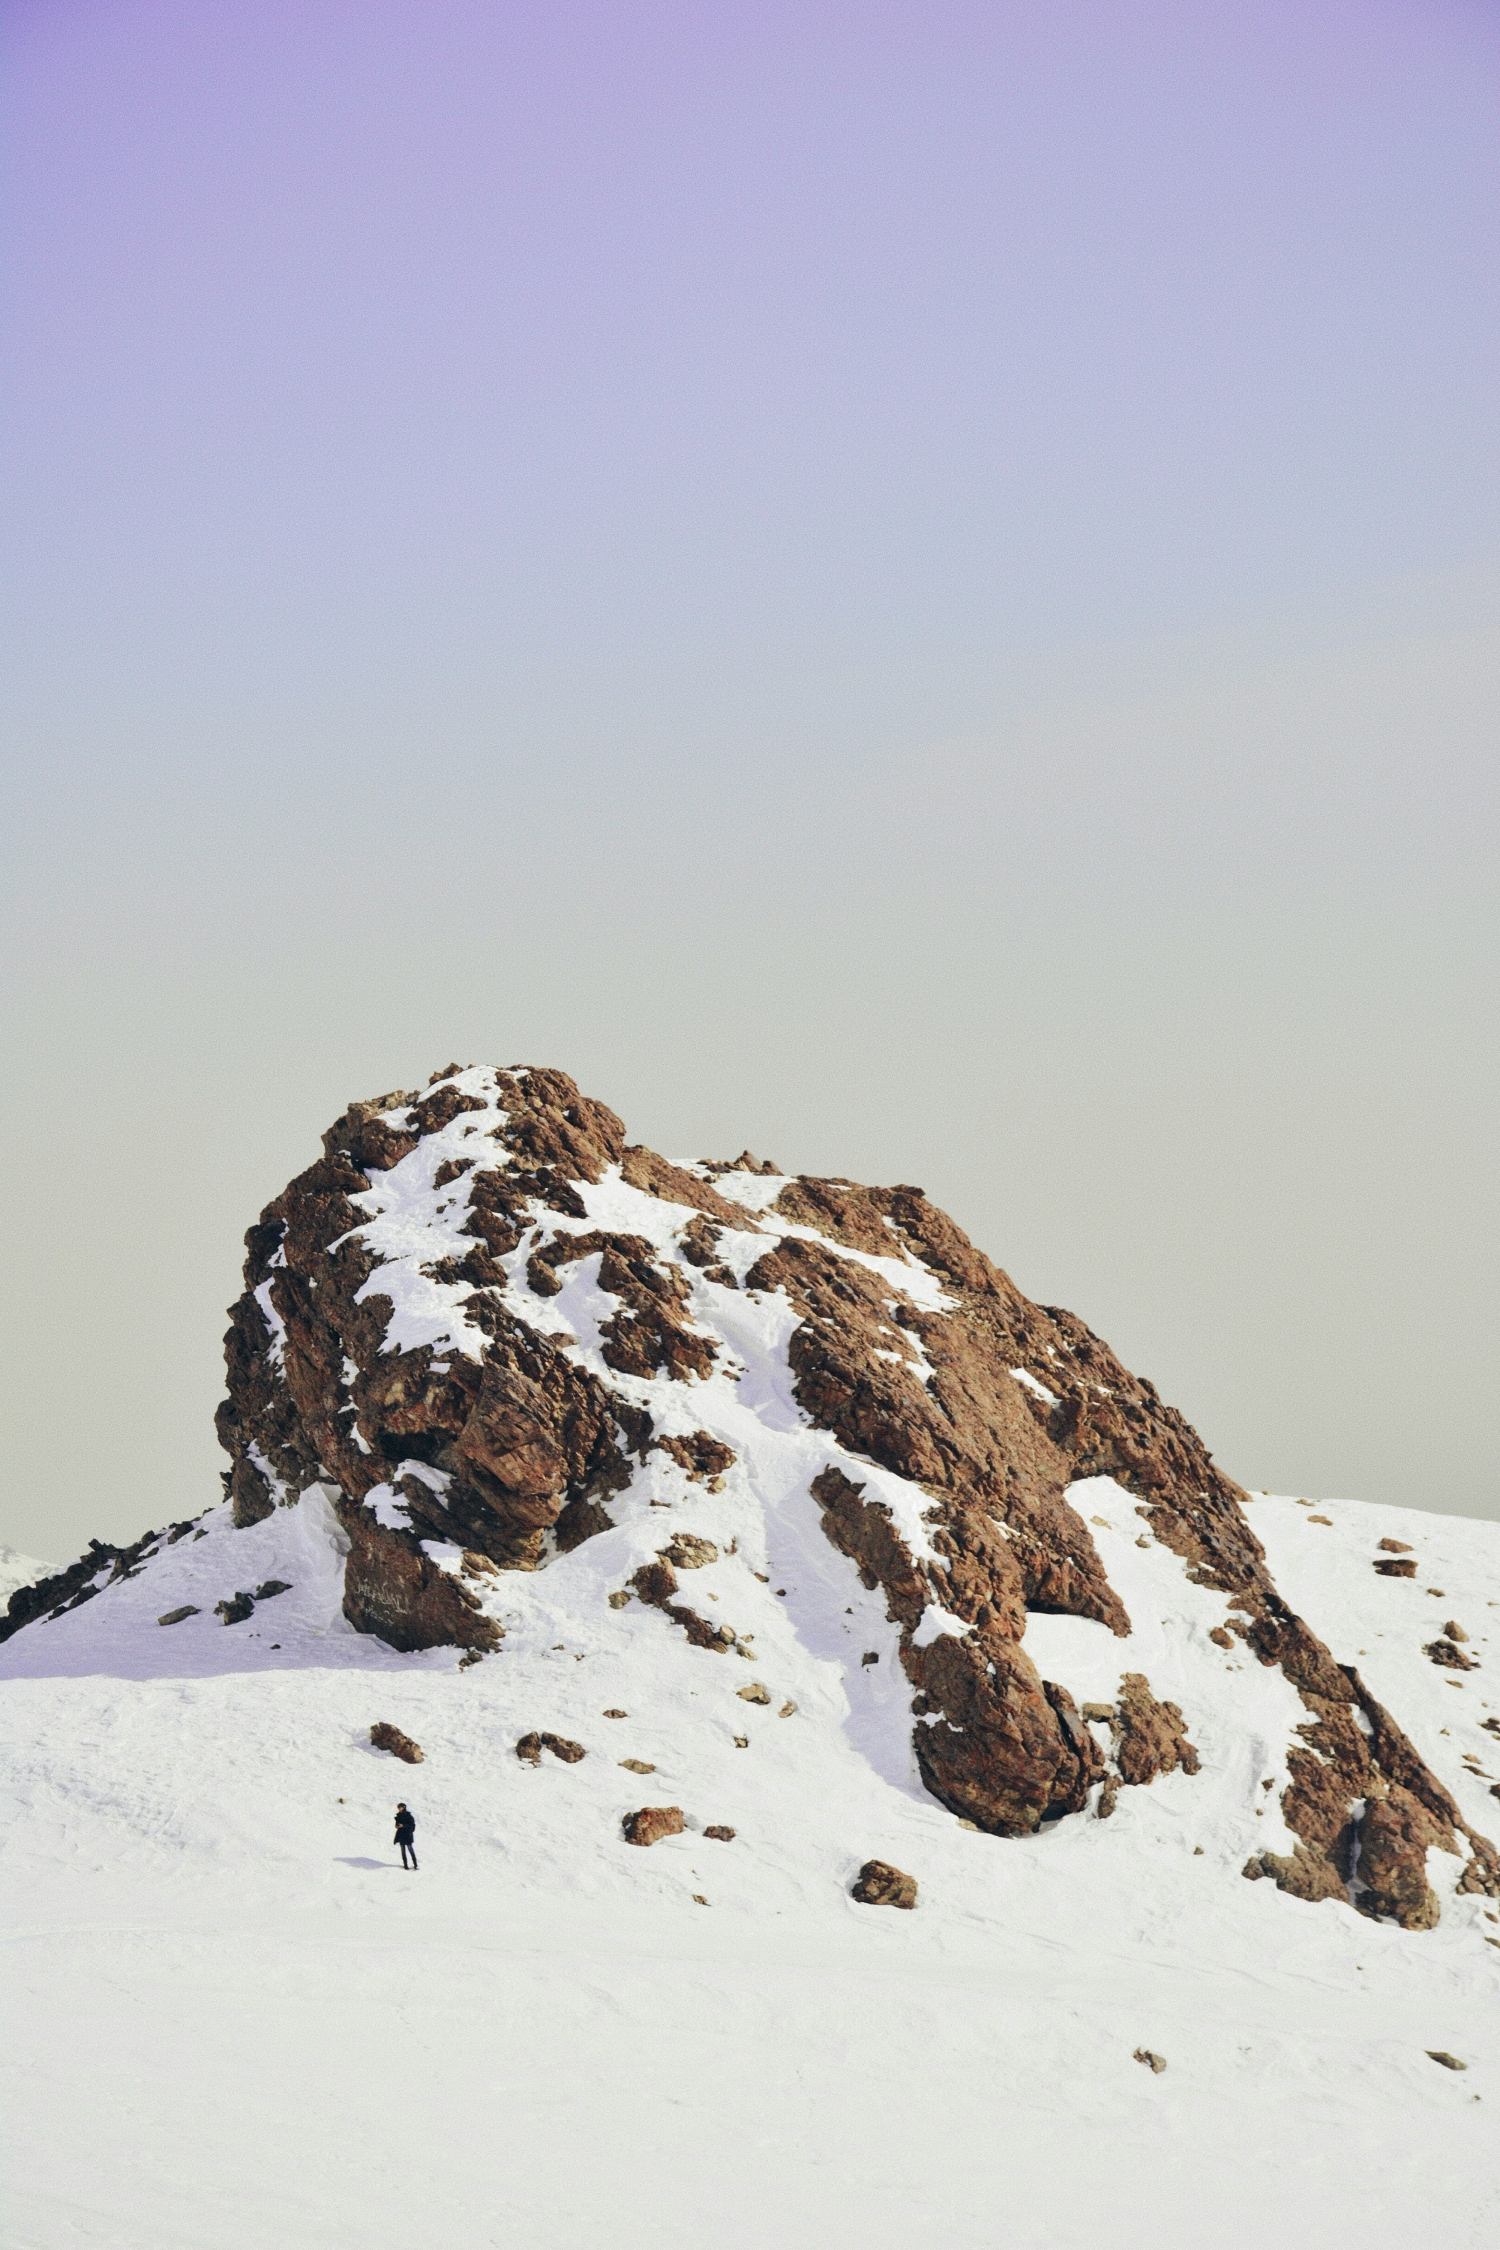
(486, 1331)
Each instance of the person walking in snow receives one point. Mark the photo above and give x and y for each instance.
(406, 1833)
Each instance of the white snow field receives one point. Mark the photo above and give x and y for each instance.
(232, 2020)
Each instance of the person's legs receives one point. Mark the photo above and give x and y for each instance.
(408, 1855)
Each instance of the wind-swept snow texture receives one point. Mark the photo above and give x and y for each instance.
(729, 1481)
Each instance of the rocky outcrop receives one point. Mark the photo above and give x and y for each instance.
(100, 1567)
(410, 1340)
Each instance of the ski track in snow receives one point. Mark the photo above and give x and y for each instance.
(234, 2022)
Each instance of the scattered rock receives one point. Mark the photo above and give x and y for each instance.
(880, 1884)
(620, 1597)
(786, 1710)
(1449, 1655)
(1394, 1546)
(1104, 1711)
(1219, 1637)
(1107, 1796)
(871, 1656)
(636, 1765)
(699, 1899)
(1405, 1568)
(530, 1747)
(474, 1656)
(1449, 2062)
(1320, 1519)
(176, 1616)
(702, 1456)
(653, 1822)
(235, 1611)
(656, 1583)
(1455, 1632)
(720, 1835)
(754, 1693)
(742, 1742)
(1156, 2063)
(617, 1714)
(386, 1737)
(271, 1588)
(688, 1552)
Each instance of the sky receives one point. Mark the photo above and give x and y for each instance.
(911, 586)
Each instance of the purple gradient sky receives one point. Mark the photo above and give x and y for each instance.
(910, 581)
(593, 326)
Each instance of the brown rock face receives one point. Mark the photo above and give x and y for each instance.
(880, 1884)
(441, 1399)
(489, 1456)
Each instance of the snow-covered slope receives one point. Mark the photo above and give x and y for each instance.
(234, 2020)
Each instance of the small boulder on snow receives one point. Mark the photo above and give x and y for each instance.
(236, 1610)
(652, 1822)
(530, 1747)
(880, 1884)
(688, 1552)
(176, 1616)
(1450, 1656)
(386, 1737)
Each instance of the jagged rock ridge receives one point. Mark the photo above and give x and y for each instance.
(476, 1321)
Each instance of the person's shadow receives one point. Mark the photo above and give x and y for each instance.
(340, 1861)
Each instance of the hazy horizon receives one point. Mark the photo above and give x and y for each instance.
(914, 588)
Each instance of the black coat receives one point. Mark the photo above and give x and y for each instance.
(406, 1828)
